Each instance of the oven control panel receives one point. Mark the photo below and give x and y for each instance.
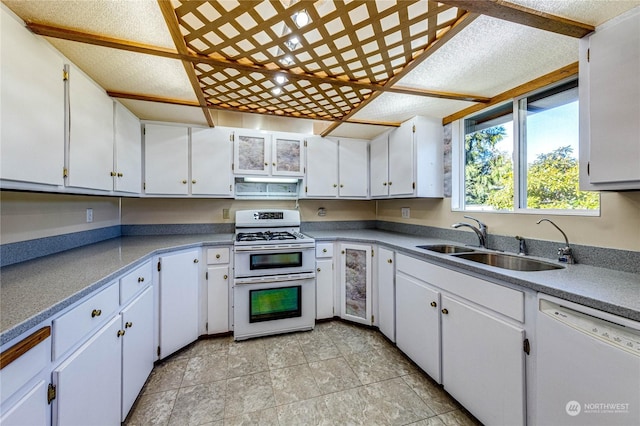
(268, 215)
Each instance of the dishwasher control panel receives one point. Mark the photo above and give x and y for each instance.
(608, 332)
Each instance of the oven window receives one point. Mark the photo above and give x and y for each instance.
(275, 303)
(276, 260)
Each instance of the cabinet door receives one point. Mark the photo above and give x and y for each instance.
(401, 160)
(31, 409)
(218, 299)
(353, 162)
(32, 91)
(128, 140)
(418, 323)
(211, 156)
(355, 280)
(386, 293)
(90, 134)
(322, 167)
(483, 363)
(88, 382)
(178, 301)
(251, 153)
(166, 160)
(324, 288)
(287, 155)
(379, 169)
(614, 93)
(137, 348)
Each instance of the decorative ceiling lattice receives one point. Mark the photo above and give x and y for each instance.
(313, 59)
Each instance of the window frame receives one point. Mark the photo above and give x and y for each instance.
(458, 133)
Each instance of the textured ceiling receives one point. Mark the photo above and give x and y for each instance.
(347, 63)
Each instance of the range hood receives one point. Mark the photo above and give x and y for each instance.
(267, 188)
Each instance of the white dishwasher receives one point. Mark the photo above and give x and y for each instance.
(588, 366)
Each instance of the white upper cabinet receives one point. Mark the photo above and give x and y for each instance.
(211, 156)
(128, 147)
(90, 134)
(379, 166)
(322, 168)
(353, 168)
(402, 164)
(268, 154)
(166, 160)
(610, 105)
(32, 107)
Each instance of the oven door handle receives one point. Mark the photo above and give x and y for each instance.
(275, 278)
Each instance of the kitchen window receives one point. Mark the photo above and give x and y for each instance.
(522, 156)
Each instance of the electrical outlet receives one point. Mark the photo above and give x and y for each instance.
(225, 213)
(89, 215)
(406, 212)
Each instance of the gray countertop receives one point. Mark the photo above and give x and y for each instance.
(33, 291)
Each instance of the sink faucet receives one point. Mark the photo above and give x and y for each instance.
(481, 230)
(565, 254)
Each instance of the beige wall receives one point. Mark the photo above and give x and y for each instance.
(618, 226)
(28, 215)
(139, 211)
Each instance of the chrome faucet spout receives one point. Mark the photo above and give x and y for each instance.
(565, 254)
(481, 230)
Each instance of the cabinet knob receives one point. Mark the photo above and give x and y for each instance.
(96, 313)
(193, 181)
(112, 174)
(120, 174)
(384, 183)
(445, 311)
(195, 260)
(324, 250)
(140, 279)
(341, 186)
(389, 261)
(225, 276)
(390, 183)
(120, 333)
(318, 269)
(218, 256)
(274, 164)
(342, 252)
(184, 181)
(128, 325)
(434, 304)
(335, 185)
(266, 164)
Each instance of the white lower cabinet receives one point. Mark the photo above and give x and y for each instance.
(137, 348)
(483, 363)
(178, 300)
(88, 383)
(355, 283)
(418, 323)
(31, 409)
(386, 293)
(324, 288)
(218, 299)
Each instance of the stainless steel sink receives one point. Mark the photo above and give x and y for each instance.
(507, 261)
(447, 248)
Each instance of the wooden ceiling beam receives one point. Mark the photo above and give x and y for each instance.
(523, 15)
(174, 29)
(98, 40)
(147, 98)
(540, 82)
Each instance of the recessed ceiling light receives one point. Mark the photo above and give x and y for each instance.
(276, 91)
(301, 18)
(286, 61)
(293, 43)
(280, 79)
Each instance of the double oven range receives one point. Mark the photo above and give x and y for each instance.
(274, 278)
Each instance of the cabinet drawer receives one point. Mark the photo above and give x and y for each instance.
(135, 281)
(22, 361)
(324, 250)
(218, 255)
(88, 315)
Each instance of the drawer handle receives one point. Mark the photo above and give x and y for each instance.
(389, 261)
(121, 333)
(318, 269)
(140, 279)
(225, 276)
(96, 313)
(218, 256)
(434, 304)
(195, 260)
(128, 325)
(324, 250)
(445, 311)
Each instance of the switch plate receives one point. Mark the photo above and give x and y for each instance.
(406, 212)
(89, 215)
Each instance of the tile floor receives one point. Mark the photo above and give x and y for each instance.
(337, 374)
